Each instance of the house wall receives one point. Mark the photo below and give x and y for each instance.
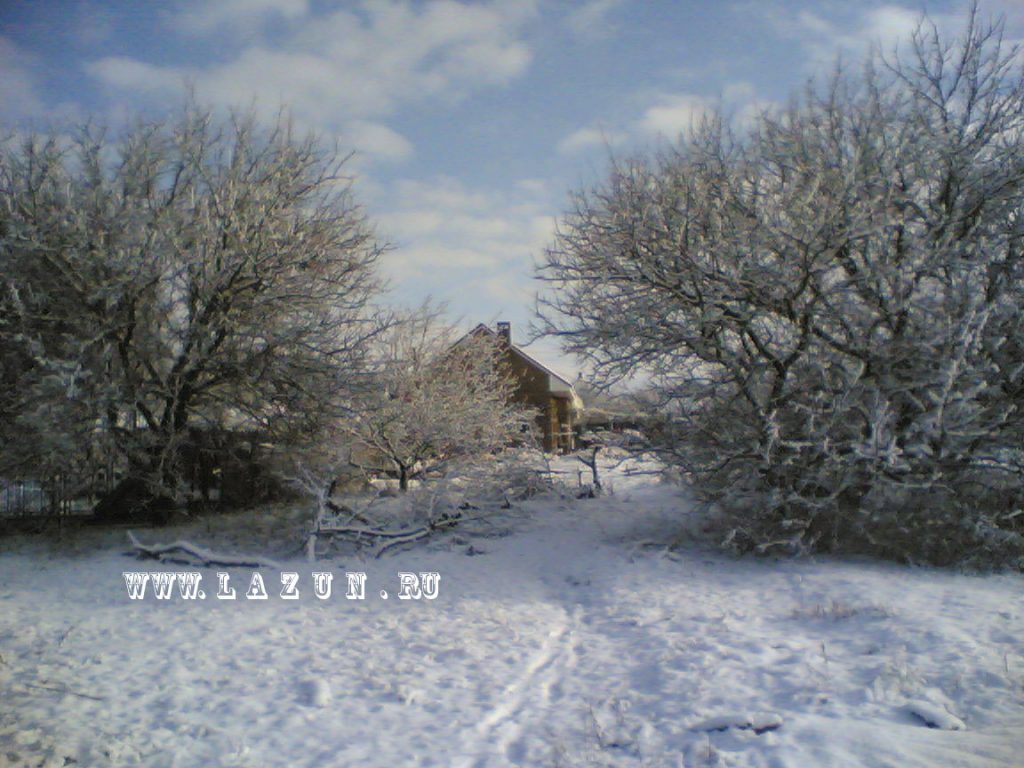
(533, 389)
(536, 388)
(563, 436)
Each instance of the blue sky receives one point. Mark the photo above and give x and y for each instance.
(471, 120)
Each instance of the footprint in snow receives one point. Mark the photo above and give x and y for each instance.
(316, 692)
(935, 717)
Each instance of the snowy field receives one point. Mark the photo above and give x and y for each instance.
(569, 642)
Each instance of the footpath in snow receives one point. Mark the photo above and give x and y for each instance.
(571, 641)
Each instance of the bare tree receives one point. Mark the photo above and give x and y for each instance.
(829, 304)
(431, 403)
(434, 399)
(186, 273)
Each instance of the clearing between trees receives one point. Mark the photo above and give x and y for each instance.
(564, 637)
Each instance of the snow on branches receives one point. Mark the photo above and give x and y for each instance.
(828, 304)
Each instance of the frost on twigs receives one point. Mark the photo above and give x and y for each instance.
(169, 286)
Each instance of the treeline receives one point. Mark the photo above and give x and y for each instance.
(181, 296)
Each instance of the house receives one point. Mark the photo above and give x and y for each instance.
(559, 408)
(607, 412)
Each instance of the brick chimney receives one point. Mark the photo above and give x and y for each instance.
(505, 332)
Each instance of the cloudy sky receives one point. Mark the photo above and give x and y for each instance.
(471, 120)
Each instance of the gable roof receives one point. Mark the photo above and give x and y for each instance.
(484, 328)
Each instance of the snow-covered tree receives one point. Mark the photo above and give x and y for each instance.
(830, 304)
(434, 399)
(184, 273)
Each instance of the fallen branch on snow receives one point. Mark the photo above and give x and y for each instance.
(67, 691)
(342, 509)
(196, 555)
(759, 723)
(394, 539)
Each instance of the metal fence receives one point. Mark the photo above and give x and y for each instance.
(27, 497)
(23, 497)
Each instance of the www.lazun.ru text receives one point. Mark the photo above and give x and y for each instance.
(187, 585)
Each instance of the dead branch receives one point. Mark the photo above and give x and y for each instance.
(197, 555)
(392, 539)
(64, 690)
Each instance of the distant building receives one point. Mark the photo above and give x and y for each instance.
(559, 408)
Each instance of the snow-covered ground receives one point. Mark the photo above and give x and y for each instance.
(570, 642)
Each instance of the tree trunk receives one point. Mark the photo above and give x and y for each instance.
(133, 499)
(144, 493)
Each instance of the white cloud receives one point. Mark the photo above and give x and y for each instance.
(589, 138)
(849, 30)
(533, 187)
(441, 227)
(890, 24)
(675, 114)
(509, 291)
(346, 71)
(204, 18)
(590, 19)
(442, 193)
(121, 73)
(810, 24)
(402, 52)
(667, 115)
(434, 259)
(378, 140)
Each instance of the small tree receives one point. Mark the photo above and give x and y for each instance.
(434, 400)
